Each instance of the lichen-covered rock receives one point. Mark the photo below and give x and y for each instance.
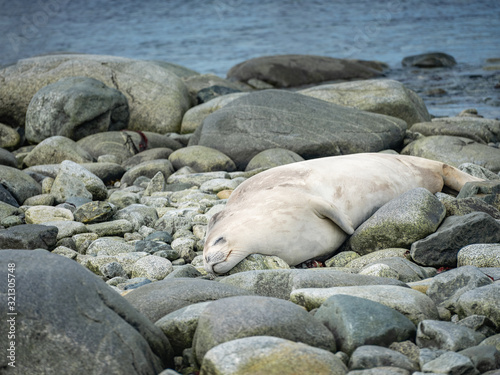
(479, 255)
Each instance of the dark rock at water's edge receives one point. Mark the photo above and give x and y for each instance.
(70, 322)
(298, 70)
(430, 60)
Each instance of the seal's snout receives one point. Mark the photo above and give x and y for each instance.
(213, 258)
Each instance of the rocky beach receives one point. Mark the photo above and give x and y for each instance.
(111, 169)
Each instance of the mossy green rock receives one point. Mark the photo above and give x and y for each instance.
(400, 222)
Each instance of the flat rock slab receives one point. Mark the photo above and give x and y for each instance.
(298, 70)
(307, 126)
(70, 322)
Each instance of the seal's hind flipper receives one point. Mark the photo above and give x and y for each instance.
(329, 211)
(455, 179)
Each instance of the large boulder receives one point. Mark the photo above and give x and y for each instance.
(70, 322)
(75, 107)
(157, 97)
(455, 151)
(298, 70)
(384, 96)
(400, 222)
(308, 126)
(478, 129)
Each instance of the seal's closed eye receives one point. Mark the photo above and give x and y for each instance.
(219, 240)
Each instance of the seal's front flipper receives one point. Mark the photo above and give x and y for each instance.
(328, 210)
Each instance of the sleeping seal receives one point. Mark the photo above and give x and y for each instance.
(307, 209)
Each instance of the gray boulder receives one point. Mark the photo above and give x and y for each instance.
(452, 284)
(280, 283)
(75, 107)
(147, 155)
(67, 186)
(442, 335)
(455, 151)
(157, 97)
(384, 96)
(138, 215)
(201, 159)
(55, 150)
(94, 212)
(440, 249)
(246, 128)
(400, 222)
(244, 316)
(7, 158)
(93, 184)
(484, 357)
(298, 70)
(9, 137)
(478, 129)
(18, 183)
(430, 60)
(270, 355)
(370, 356)
(405, 270)
(158, 299)
(356, 321)
(481, 301)
(29, 237)
(61, 322)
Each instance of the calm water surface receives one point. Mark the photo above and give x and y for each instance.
(212, 36)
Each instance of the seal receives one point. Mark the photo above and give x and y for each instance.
(306, 210)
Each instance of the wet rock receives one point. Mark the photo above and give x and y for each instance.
(430, 60)
(18, 183)
(355, 322)
(55, 150)
(455, 151)
(75, 107)
(414, 305)
(243, 316)
(246, 130)
(273, 157)
(298, 70)
(158, 299)
(479, 255)
(384, 96)
(400, 222)
(201, 159)
(370, 356)
(29, 236)
(157, 97)
(478, 129)
(63, 321)
(441, 248)
(270, 355)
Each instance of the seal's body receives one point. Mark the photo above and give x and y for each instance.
(307, 209)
